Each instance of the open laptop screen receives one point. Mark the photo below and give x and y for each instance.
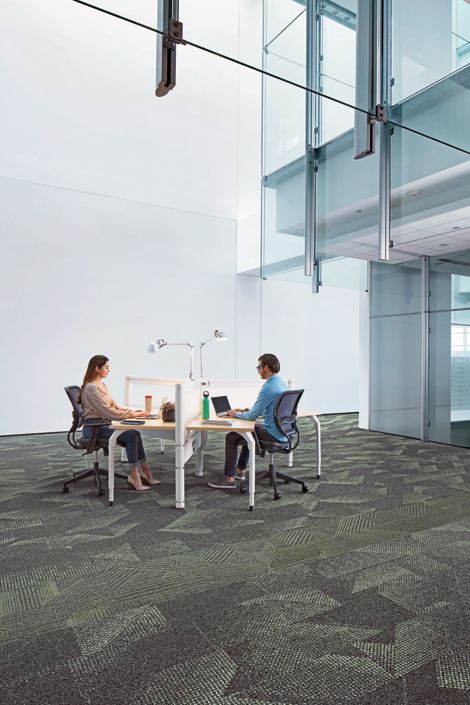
(221, 405)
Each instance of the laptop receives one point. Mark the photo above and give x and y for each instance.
(221, 405)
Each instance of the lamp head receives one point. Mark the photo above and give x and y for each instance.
(153, 347)
(220, 335)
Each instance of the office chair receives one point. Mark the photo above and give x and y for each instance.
(285, 419)
(93, 445)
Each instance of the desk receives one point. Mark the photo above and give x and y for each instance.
(245, 429)
(159, 428)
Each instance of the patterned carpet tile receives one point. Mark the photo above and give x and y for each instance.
(355, 592)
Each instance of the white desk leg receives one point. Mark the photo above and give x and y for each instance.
(111, 448)
(318, 432)
(162, 445)
(179, 486)
(179, 477)
(200, 455)
(251, 481)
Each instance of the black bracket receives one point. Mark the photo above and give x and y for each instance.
(380, 114)
(175, 32)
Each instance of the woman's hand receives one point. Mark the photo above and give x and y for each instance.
(140, 414)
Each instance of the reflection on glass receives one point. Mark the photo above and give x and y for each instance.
(283, 227)
(337, 75)
(461, 32)
(279, 14)
(430, 200)
(284, 117)
(347, 201)
(395, 349)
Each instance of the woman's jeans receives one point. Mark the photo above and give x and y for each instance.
(131, 440)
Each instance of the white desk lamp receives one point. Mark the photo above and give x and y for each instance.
(161, 343)
(217, 335)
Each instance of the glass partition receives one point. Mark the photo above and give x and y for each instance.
(396, 349)
(449, 349)
(337, 71)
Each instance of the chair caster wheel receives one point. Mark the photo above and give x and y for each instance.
(111, 504)
(101, 493)
(65, 489)
(277, 496)
(304, 488)
(287, 482)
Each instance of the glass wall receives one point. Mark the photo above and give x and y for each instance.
(372, 168)
(449, 349)
(396, 349)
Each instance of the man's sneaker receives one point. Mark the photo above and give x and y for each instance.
(223, 485)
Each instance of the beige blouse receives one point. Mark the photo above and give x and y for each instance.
(98, 403)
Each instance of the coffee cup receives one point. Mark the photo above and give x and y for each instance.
(148, 403)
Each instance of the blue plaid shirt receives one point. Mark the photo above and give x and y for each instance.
(264, 405)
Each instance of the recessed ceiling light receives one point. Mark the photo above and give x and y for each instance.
(414, 193)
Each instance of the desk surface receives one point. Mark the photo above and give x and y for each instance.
(235, 425)
(150, 424)
(197, 424)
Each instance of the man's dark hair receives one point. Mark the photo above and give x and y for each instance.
(271, 362)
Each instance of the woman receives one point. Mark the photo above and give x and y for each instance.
(98, 404)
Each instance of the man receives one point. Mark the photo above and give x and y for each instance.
(234, 469)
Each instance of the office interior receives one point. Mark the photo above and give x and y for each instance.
(304, 187)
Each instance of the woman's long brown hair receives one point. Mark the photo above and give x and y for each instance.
(96, 361)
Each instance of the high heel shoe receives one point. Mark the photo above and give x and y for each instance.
(136, 484)
(147, 480)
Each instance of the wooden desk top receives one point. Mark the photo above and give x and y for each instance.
(235, 425)
(150, 424)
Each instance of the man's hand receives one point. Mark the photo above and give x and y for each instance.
(232, 412)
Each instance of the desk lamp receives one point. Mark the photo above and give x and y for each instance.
(216, 335)
(161, 343)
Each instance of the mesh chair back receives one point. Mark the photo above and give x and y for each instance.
(73, 394)
(285, 413)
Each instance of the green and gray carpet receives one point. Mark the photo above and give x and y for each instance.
(356, 592)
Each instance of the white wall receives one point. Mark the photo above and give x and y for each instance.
(87, 274)
(316, 338)
(118, 208)
(119, 216)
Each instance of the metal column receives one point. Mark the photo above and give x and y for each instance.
(425, 348)
(312, 113)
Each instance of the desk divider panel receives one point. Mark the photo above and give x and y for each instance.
(136, 388)
(240, 392)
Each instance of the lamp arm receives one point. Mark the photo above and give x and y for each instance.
(190, 345)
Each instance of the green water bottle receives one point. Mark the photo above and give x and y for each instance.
(206, 412)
